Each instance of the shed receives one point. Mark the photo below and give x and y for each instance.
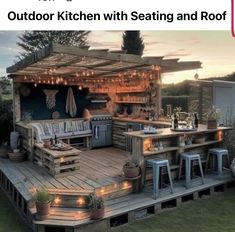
(220, 94)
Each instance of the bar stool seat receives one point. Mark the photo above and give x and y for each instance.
(156, 165)
(218, 154)
(189, 157)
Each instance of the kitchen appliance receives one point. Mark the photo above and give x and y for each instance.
(101, 125)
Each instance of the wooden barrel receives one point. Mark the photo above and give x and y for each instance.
(16, 156)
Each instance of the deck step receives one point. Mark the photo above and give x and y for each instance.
(70, 198)
(80, 198)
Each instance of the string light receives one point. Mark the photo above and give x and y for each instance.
(102, 191)
(81, 201)
(57, 200)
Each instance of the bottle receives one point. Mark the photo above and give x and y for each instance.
(172, 121)
(56, 140)
(195, 120)
(175, 122)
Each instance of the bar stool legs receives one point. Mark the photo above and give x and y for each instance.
(189, 158)
(157, 164)
(218, 154)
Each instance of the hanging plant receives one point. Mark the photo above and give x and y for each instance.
(50, 97)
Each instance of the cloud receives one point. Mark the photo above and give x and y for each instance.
(150, 43)
(179, 52)
(10, 50)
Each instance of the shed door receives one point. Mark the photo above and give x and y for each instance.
(223, 99)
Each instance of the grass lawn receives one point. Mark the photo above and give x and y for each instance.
(215, 214)
(9, 220)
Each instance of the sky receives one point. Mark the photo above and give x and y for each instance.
(215, 49)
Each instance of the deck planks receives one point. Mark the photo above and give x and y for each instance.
(90, 177)
(98, 168)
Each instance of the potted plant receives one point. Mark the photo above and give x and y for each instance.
(96, 205)
(131, 168)
(213, 117)
(42, 200)
(188, 139)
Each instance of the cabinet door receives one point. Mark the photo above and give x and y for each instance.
(99, 139)
(109, 140)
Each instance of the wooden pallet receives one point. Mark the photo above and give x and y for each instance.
(119, 139)
(57, 163)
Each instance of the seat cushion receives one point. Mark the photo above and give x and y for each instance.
(47, 128)
(58, 127)
(86, 125)
(38, 131)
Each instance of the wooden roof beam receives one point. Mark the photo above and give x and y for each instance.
(97, 54)
(152, 60)
(31, 59)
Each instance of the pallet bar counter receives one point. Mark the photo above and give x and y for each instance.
(167, 144)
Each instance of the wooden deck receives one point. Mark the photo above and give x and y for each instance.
(98, 168)
(132, 207)
(101, 170)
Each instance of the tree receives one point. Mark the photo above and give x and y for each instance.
(5, 85)
(31, 41)
(132, 42)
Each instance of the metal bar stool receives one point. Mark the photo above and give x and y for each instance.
(189, 158)
(218, 154)
(156, 165)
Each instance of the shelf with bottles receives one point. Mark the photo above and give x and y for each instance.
(154, 146)
(100, 89)
(190, 141)
(158, 146)
(130, 89)
(129, 99)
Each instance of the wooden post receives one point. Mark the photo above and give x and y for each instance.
(137, 151)
(16, 104)
(159, 92)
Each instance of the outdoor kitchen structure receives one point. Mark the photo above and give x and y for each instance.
(97, 105)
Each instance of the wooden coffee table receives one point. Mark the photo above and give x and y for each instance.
(56, 162)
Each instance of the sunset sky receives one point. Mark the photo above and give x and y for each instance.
(215, 49)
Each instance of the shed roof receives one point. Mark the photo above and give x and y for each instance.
(60, 60)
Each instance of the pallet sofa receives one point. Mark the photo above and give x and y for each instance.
(61, 129)
(66, 129)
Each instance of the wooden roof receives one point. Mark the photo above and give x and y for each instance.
(58, 60)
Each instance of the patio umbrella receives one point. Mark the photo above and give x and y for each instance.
(71, 107)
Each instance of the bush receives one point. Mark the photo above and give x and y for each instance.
(176, 101)
(229, 140)
(6, 120)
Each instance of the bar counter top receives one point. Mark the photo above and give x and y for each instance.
(142, 121)
(167, 132)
